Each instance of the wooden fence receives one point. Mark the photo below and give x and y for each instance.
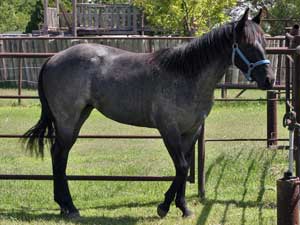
(10, 68)
(53, 18)
(118, 18)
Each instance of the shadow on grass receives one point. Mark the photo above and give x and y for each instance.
(33, 216)
(223, 162)
(24, 216)
(127, 205)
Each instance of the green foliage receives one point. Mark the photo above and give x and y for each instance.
(283, 9)
(21, 15)
(14, 14)
(36, 17)
(185, 17)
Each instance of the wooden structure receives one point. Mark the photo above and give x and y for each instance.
(93, 19)
(51, 17)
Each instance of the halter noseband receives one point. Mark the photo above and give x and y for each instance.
(251, 66)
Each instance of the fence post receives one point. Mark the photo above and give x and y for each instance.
(20, 78)
(296, 101)
(271, 118)
(192, 168)
(74, 19)
(45, 27)
(201, 161)
(288, 201)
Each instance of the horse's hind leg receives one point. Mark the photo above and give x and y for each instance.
(66, 134)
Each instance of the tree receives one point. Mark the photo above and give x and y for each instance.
(283, 9)
(185, 17)
(15, 14)
(277, 9)
(36, 17)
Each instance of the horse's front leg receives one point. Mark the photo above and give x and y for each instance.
(62, 196)
(180, 201)
(173, 141)
(188, 143)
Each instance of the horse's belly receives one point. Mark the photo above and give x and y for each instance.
(125, 115)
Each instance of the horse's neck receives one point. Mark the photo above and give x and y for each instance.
(214, 69)
(213, 54)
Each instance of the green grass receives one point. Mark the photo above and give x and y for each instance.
(241, 177)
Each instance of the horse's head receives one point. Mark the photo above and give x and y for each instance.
(248, 51)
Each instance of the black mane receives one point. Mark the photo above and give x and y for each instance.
(191, 58)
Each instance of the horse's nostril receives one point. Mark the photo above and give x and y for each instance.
(269, 83)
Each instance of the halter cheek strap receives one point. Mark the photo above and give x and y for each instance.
(251, 66)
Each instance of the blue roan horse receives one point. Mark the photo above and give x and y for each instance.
(170, 90)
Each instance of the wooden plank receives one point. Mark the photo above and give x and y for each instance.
(25, 63)
(79, 15)
(117, 24)
(28, 48)
(14, 62)
(85, 23)
(96, 16)
(3, 62)
(89, 16)
(134, 24)
(129, 19)
(38, 47)
(34, 62)
(123, 19)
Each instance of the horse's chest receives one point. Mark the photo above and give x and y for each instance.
(186, 114)
(194, 115)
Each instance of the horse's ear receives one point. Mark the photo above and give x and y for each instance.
(257, 18)
(241, 23)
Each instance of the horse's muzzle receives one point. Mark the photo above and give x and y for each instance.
(268, 84)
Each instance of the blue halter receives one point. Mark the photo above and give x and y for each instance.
(251, 66)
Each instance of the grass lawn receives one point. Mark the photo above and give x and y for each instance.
(240, 177)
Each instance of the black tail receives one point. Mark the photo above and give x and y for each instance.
(34, 138)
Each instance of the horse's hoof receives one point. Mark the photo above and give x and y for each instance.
(73, 215)
(187, 213)
(162, 211)
(69, 215)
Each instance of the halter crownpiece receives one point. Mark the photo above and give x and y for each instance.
(251, 66)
